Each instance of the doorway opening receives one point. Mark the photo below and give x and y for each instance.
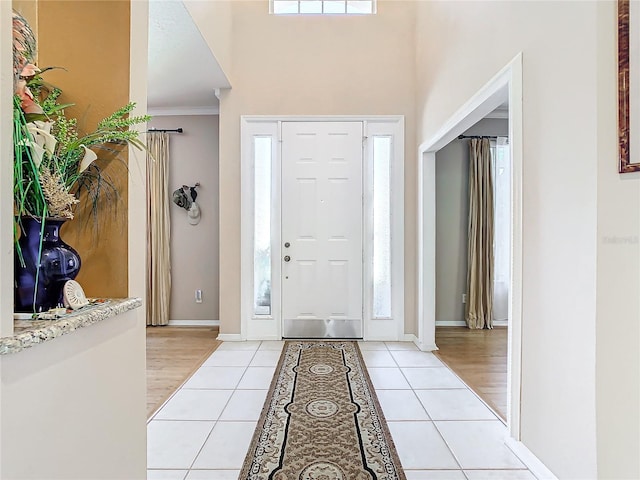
(505, 87)
(478, 354)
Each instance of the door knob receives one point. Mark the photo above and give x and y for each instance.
(287, 245)
(287, 258)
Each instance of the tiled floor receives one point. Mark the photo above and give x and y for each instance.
(440, 428)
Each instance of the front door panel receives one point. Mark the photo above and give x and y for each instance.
(322, 223)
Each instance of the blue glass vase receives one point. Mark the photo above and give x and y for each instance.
(38, 291)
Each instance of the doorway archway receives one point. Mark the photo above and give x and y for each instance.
(506, 86)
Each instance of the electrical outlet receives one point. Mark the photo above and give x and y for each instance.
(464, 298)
(198, 296)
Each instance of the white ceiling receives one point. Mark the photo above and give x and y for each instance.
(183, 73)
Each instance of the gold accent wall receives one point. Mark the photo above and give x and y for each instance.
(29, 10)
(90, 39)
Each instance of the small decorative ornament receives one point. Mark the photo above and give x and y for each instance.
(185, 197)
(181, 199)
(193, 214)
(74, 296)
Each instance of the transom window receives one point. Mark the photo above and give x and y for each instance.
(323, 7)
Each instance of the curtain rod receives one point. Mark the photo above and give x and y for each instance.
(174, 130)
(461, 137)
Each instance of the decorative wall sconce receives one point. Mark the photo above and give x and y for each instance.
(185, 197)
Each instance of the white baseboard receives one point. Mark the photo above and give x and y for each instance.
(462, 323)
(230, 337)
(539, 469)
(427, 347)
(410, 337)
(194, 323)
(451, 323)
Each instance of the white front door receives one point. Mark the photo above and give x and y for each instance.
(322, 217)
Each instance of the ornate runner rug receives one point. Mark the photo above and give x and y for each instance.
(321, 420)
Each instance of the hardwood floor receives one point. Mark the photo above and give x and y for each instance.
(479, 358)
(173, 354)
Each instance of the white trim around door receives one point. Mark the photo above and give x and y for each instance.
(261, 222)
(506, 85)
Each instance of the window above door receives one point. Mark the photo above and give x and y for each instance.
(322, 7)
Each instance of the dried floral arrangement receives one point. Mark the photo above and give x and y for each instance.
(53, 161)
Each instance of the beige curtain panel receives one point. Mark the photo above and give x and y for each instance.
(479, 306)
(159, 230)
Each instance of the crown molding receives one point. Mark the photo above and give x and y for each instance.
(175, 111)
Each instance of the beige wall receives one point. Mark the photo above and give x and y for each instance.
(618, 280)
(452, 211)
(214, 20)
(568, 144)
(194, 248)
(313, 66)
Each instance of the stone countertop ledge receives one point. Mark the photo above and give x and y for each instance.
(29, 333)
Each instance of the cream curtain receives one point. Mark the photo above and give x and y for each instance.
(159, 230)
(480, 264)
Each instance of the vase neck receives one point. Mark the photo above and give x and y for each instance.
(51, 227)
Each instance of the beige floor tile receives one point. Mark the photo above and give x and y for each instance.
(175, 444)
(455, 404)
(226, 447)
(420, 446)
(479, 444)
(189, 404)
